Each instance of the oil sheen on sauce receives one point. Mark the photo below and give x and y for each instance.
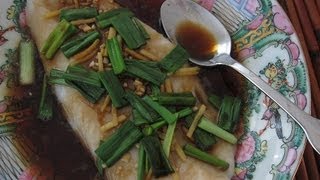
(197, 40)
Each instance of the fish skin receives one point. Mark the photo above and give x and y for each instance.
(84, 117)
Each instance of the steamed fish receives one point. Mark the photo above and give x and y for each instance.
(86, 118)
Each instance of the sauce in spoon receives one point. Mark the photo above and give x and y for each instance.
(197, 40)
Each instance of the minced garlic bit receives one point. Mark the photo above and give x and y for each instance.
(122, 118)
(137, 82)
(168, 85)
(135, 54)
(102, 46)
(90, 49)
(106, 61)
(126, 158)
(103, 52)
(105, 103)
(85, 27)
(100, 61)
(195, 121)
(83, 59)
(140, 89)
(112, 33)
(162, 88)
(52, 14)
(83, 21)
(175, 176)
(139, 93)
(109, 125)
(96, 2)
(91, 64)
(76, 3)
(114, 113)
(180, 152)
(195, 108)
(114, 122)
(119, 169)
(187, 71)
(149, 174)
(148, 54)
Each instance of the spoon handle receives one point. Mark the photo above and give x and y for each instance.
(309, 124)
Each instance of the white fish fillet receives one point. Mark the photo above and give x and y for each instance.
(84, 117)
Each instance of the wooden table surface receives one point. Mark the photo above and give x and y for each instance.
(305, 17)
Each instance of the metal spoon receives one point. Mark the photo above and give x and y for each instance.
(173, 12)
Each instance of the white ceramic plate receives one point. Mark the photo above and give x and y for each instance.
(264, 41)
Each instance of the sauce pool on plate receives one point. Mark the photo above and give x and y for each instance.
(197, 40)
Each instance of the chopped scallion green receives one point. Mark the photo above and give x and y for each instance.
(85, 81)
(168, 138)
(175, 59)
(115, 12)
(138, 119)
(26, 62)
(216, 101)
(115, 54)
(143, 71)
(202, 139)
(141, 163)
(158, 125)
(181, 114)
(46, 102)
(145, 111)
(114, 88)
(130, 33)
(57, 37)
(214, 129)
(148, 131)
(80, 13)
(104, 23)
(73, 47)
(75, 77)
(100, 166)
(155, 90)
(229, 113)
(75, 41)
(163, 112)
(205, 157)
(92, 93)
(120, 142)
(178, 99)
(159, 162)
(82, 71)
(141, 28)
(130, 29)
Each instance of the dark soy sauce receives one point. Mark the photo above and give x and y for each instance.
(197, 40)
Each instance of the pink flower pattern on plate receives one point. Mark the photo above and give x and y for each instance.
(208, 4)
(23, 19)
(281, 20)
(246, 149)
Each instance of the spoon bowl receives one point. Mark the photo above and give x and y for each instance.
(174, 12)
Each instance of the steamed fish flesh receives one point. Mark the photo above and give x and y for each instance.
(86, 119)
